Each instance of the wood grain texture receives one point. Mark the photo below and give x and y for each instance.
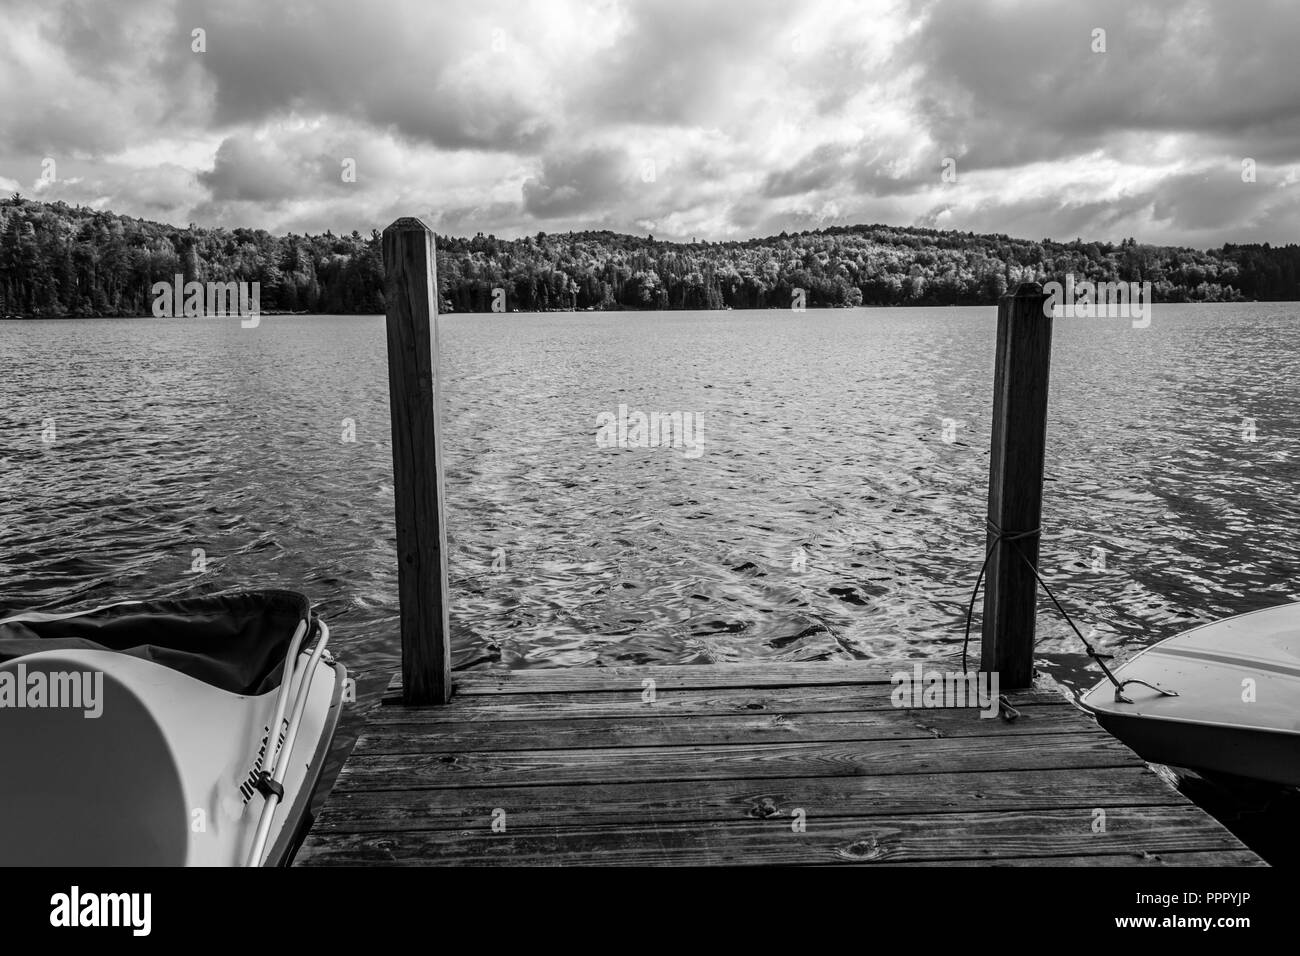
(367, 770)
(413, 736)
(1021, 373)
(557, 680)
(579, 769)
(410, 278)
(628, 702)
(901, 839)
(668, 802)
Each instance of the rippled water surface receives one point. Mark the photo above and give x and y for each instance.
(826, 518)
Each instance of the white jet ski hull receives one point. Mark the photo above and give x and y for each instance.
(166, 774)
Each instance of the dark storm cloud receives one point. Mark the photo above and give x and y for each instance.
(164, 191)
(675, 63)
(1046, 217)
(462, 220)
(69, 75)
(578, 183)
(62, 130)
(1013, 82)
(823, 167)
(248, 171)
(101, 39)
(859, 166)
(423, 71)
(1206, 201)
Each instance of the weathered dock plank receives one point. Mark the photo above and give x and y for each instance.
(683, 676)
(912, 838)
(788, 699)
(743, 799)
(413, 736)
(772, 760)
(747, 764)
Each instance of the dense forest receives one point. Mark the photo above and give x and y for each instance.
(60, 260)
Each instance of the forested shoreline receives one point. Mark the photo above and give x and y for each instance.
(58, 260)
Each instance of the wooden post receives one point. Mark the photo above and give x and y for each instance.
(1024, 357)
(410, 284)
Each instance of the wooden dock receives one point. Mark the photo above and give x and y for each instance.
(778, 763)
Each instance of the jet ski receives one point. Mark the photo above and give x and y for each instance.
(188, 732)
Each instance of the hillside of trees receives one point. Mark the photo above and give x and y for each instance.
(60, 260)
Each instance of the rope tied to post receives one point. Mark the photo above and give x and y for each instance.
(1011, 538)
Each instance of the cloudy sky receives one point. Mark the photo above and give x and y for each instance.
(710, 118)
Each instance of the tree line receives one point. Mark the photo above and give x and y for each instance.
(60, 260)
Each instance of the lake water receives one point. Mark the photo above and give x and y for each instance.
(827, 516)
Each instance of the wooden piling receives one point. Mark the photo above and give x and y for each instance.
(410, 284)
(1024, 355)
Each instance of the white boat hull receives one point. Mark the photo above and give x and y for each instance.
(1238, 705)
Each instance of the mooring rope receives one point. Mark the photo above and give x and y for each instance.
(1001, 536)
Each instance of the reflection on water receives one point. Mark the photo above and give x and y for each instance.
(827, 517)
